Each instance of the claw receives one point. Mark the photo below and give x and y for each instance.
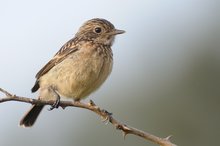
(56, 104)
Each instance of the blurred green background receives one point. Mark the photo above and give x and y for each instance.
(165, 79)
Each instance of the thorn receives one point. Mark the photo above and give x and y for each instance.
(106, 112)
(168, 137)
(107, 116)
(118, 127)
(124, 134)
(91, 103)
(105, 120)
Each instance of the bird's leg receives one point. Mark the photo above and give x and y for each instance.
(57, 100)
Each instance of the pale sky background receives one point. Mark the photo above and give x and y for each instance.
(165, 78)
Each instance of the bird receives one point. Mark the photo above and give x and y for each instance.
(79, 68)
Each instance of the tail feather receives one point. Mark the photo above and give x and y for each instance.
(36, 87)
(31, 116)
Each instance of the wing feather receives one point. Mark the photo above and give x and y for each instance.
(64, 51)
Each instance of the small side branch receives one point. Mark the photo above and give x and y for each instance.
(105, 115)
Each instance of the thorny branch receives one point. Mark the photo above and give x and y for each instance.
(105, 115)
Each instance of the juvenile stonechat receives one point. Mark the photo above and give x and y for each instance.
(78, 68)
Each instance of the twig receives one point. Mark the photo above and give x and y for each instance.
(105, 115)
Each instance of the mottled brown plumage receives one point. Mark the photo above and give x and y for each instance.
(78, 68)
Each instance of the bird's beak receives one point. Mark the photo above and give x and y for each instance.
(117, 31)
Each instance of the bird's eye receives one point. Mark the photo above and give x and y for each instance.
(98, 29)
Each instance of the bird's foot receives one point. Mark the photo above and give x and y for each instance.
(55, 105)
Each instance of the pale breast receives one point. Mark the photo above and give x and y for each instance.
(81, 73)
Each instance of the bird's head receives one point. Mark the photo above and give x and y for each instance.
(99, 31)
